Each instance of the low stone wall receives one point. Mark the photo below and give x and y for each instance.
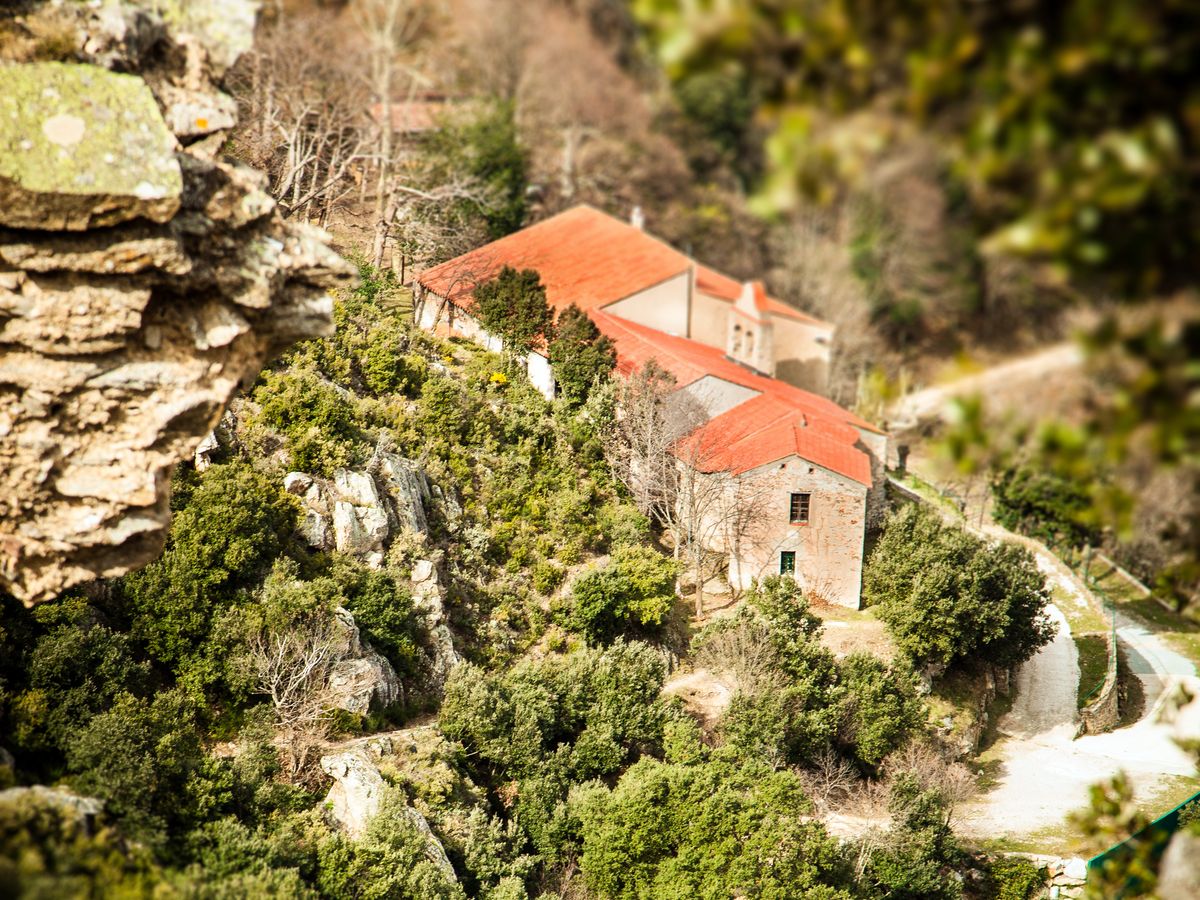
(1103, 712)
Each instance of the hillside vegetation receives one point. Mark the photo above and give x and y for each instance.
(553, 766)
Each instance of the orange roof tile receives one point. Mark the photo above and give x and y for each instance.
(764, 430)
(584, 257)
(782, 420)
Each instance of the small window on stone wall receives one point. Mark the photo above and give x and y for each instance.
(787, 562)
(798, 509)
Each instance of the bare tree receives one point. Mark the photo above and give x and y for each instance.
(677, 473)
(291, 666)
(386, 25)
(302, 115)
(701, 504)
(742, 651)
(934, 772)
(830, 781)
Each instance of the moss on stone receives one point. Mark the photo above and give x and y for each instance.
(82, 147)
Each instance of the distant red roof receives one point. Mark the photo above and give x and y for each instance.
(781, 421)
(583, 256)
(412, 116)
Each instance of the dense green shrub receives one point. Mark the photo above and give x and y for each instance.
(383, 610)
(579, 355)
(512, 306)
(48, 850)
(1015, 878)
(636, 590)
(76, 669)
(710, 830)
(950, 599)
(515, 722)
(138, 756)
(1045, 506)
(878, 708)
(221, 545)
(919, 857)
(315, 419)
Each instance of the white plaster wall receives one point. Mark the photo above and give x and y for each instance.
(710, 320)
(537, 365)
(716, 395)
(829, 549)
(540, 375)
(801, 353)
(664, 306)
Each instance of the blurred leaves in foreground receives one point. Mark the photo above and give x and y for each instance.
(1072, 126)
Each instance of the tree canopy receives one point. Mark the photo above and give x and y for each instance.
(579, 354)
(951, 599)
(513, 307)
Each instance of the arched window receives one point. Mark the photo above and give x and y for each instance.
(749, 344)
(737, 340)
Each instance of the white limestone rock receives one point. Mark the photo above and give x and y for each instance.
(356, 488)
(362, 679)
(357, 685)
(297, 483)
(357, 789)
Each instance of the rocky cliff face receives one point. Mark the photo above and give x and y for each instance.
(142, 278)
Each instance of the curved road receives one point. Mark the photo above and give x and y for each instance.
(1044, 771)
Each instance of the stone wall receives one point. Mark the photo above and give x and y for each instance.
(143, 278)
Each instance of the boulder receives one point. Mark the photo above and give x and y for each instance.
(357, 789)
(362, 679)
(349, 535)
(356, 488)
(356, 685)
(141, 282)
(1179, 874)
(317, 530)
(81, 807)
(429, 599)
(408, 489)
(82, 147)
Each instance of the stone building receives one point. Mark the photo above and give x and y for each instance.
(805, 473)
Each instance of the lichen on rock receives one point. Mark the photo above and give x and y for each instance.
(82, 147)
(141, 284)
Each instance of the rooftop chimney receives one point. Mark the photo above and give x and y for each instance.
(637, 218)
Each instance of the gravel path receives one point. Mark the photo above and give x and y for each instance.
(1046, 687)
(1045, 773)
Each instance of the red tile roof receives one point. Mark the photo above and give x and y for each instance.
(782, 420)
(766, 429)
(591, 259)
(584, 257)
(412, 116)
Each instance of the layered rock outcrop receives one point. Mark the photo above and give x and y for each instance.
(362, 678)
(362, 512)
(142, 279)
